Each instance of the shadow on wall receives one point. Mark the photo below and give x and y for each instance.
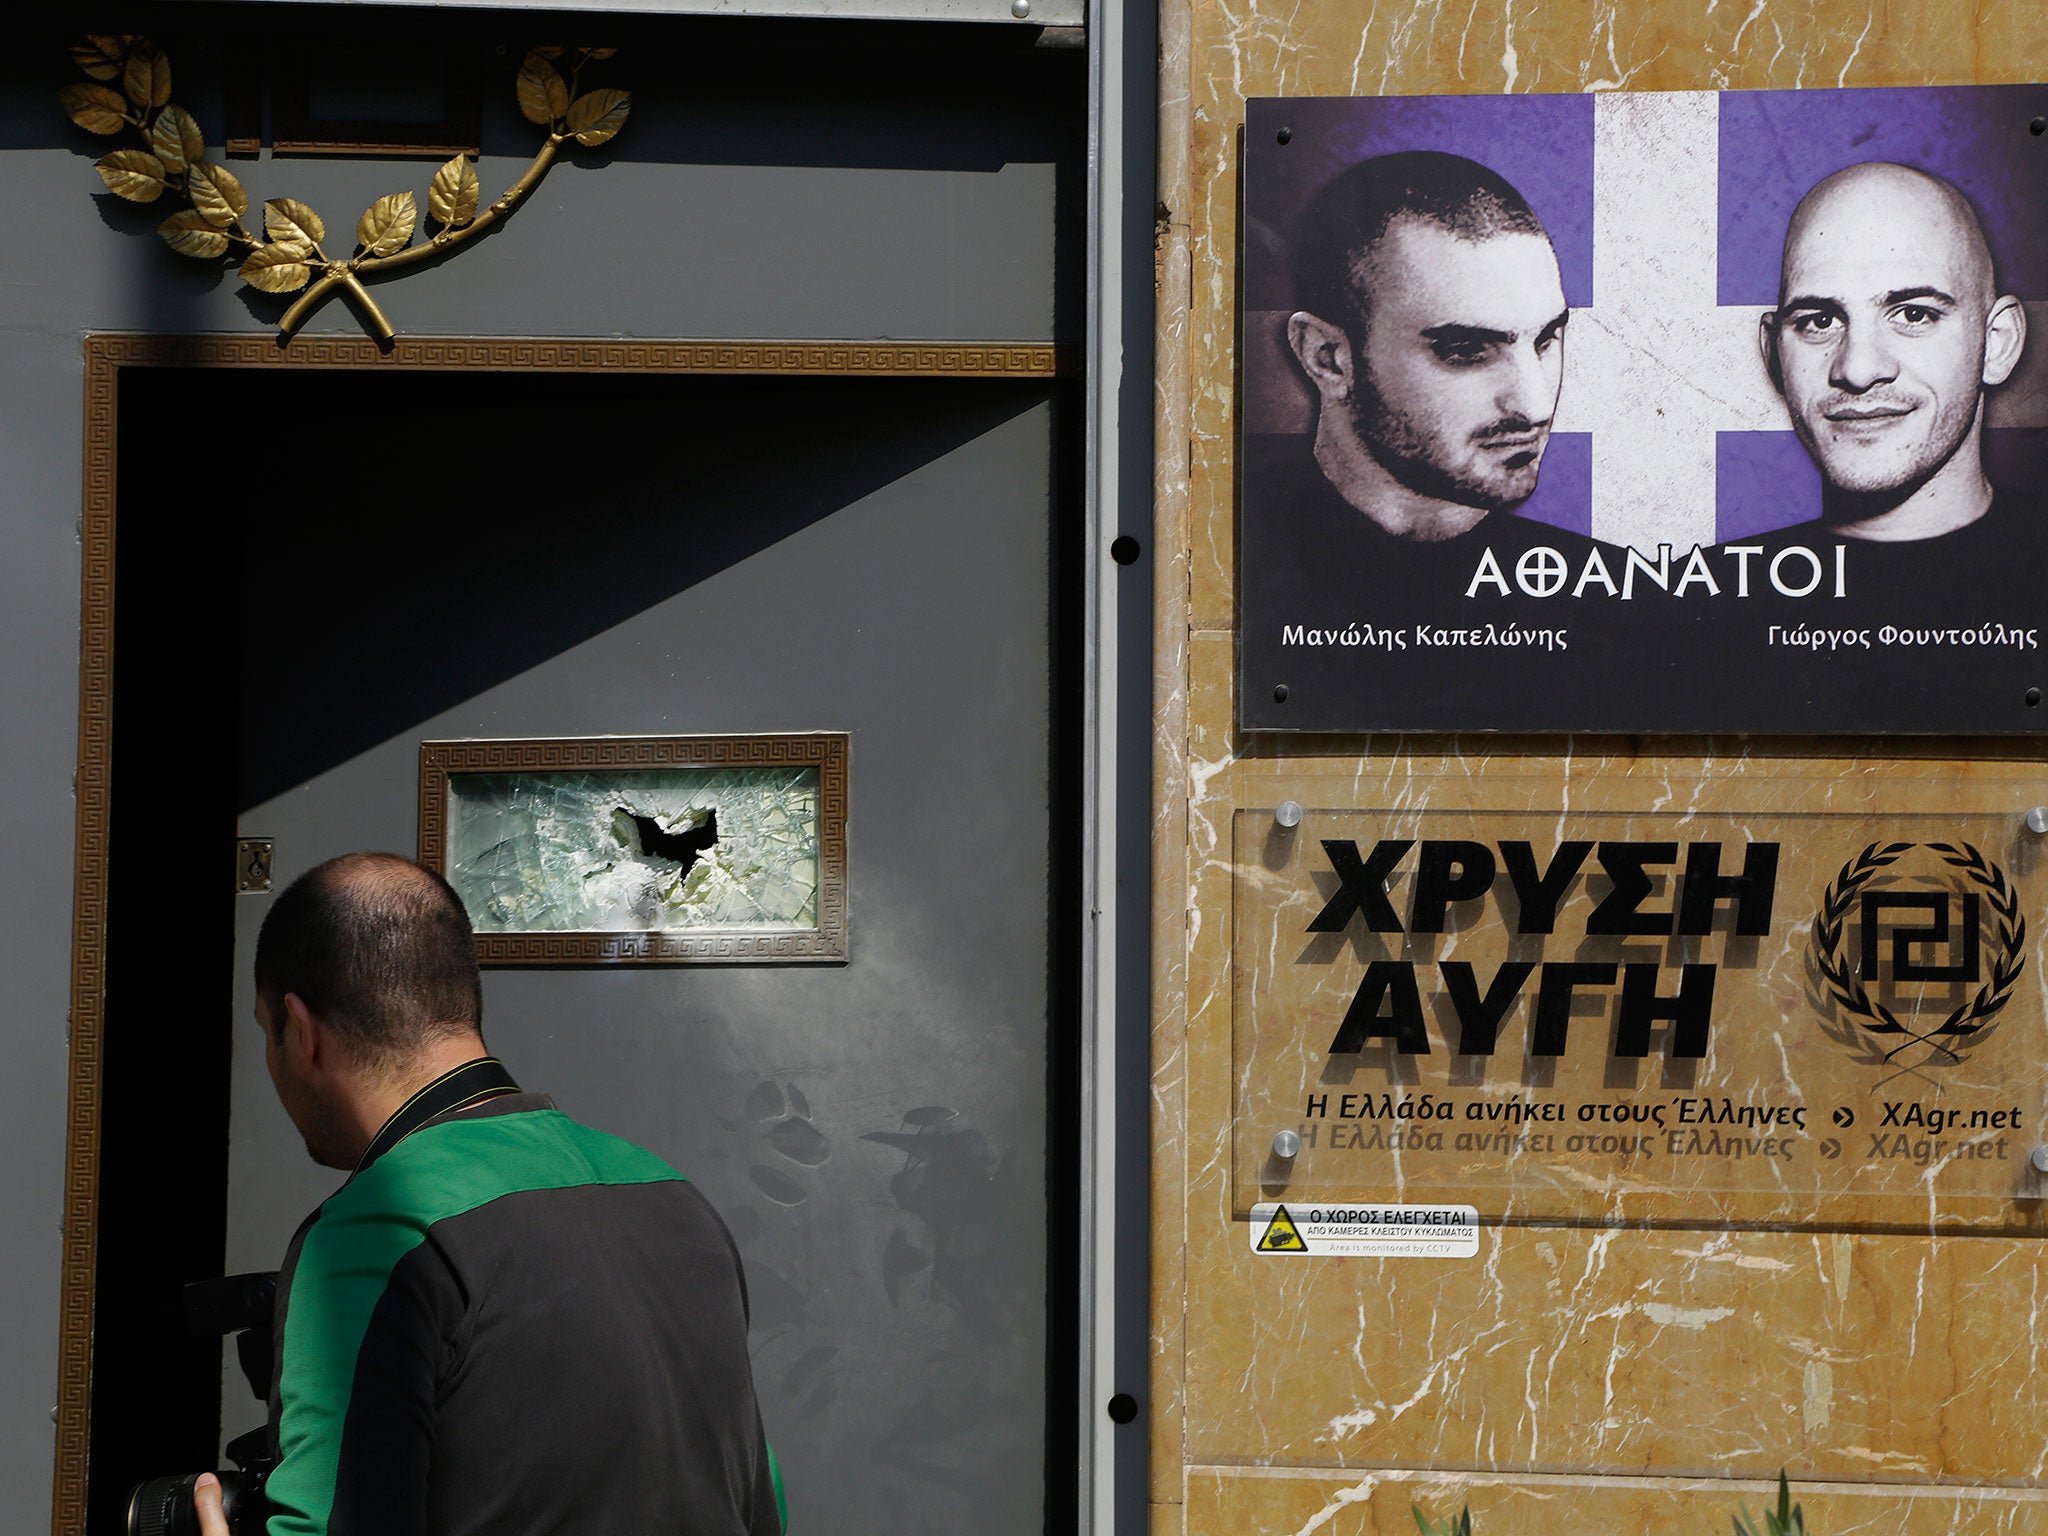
(409, 541)
(701, 85)
(949, 1272)
(954, 1191)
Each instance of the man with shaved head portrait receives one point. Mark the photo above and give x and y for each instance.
(1888, 330)
(1431, 327)
(1425, 311)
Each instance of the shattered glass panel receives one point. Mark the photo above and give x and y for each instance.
(647, 850)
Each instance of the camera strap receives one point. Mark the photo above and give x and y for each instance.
(471, 1083)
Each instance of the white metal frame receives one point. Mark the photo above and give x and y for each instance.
(1100, 1105)
(1036, 13)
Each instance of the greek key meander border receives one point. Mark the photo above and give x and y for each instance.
(106, 353)
(88, 945)
(829, 751)
(500, 354)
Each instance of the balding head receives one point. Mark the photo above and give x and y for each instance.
(381, 948)
(1878, 215)
(1889, 327)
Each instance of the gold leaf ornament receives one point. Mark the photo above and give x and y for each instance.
(388, 224)
(278, 268)
(177, 140)
(543, 93)
(216, 193)
(598, 115)
(99, 56)
(454, 193)
(290, 222)
(188, 233)
(147, 76)
(135, 174)
(95, 108)
(129, 86)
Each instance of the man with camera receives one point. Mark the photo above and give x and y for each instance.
(504, 1321)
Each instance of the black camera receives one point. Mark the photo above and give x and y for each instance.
(242, 1305)
(163, 1505)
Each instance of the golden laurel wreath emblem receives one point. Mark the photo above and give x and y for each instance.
(132, 89)
(2008, 934)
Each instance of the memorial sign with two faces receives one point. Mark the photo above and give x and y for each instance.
(1677, 411)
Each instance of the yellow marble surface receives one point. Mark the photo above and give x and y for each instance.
(1792, 1112)
(1277, 1503)
(1570, 1379)
(1676, 1352)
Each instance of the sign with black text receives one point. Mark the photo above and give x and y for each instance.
(1774, 1017)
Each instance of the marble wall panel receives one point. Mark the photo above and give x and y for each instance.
(1589, 1374)
(1675, 1352)
(1792, 1095)
(1867, 1354)
(1280, 1503)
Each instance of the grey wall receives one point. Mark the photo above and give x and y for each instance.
(899, 1295)
(756, 193)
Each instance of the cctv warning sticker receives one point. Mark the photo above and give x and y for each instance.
(1366, 1231)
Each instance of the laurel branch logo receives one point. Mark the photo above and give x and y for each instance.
(1859, 1011)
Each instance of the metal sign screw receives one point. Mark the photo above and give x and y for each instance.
(2037, 819)
(1288, 813)
(1287, 1146)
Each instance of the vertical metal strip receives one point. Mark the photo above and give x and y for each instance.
(1099, 798)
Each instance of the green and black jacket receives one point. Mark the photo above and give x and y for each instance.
(506, 1322)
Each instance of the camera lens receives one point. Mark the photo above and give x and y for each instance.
(163, 1505)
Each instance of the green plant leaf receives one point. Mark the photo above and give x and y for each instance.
(1462, 1526)
(1788, 1519)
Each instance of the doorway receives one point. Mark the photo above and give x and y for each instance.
(318, 568)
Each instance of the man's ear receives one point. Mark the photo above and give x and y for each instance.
(1324, 352)
(303, 1033)
(2005, 338)
(1767, 343)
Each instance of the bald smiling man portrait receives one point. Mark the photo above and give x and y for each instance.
(1889, 333)
(1888, 330)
